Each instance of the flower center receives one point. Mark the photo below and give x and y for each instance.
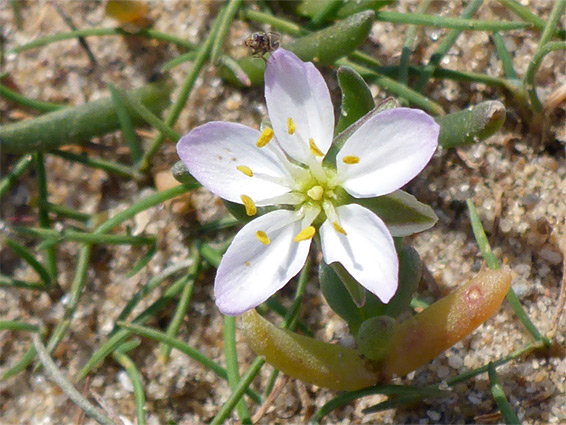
(313, 186)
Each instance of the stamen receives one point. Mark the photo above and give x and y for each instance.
(350, 159)
(262, 237)
(291, 127)
(314, 148)
(316, 193)
(305, 234)
(246, 170)
(339, 228)
(249, 205)
(266, 136)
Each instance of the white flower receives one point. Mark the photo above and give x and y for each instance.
(283, 165)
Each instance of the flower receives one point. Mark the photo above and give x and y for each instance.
(283, 165)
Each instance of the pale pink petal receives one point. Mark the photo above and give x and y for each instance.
(214, 151)
(367, 252)
(250, 271)
(393, 147)
(295, 89)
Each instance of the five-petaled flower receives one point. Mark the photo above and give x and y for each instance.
(283, 165)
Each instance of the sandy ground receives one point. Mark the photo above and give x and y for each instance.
(517, 182)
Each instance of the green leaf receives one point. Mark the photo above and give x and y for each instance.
(340, 300)
(471, 125)
(357, 99)
(410, 271)
(321, 47)
(310, 8)
(341, 39)
(80, 123)
(338, 297)
(400, 211)
(181, 173)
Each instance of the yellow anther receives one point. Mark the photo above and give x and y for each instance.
(305, 234)
(316, 193)
(339, 228)
(247, 264)
(291, 127)
(249, 205)
(262, 237)
(350, 159)
(265, 137)
(246, 170)
(314, 148)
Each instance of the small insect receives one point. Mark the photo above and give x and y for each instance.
(262, 43)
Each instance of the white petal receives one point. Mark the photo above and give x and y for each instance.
(367, 252)
(392, 147)
(295, 89)
(212, 153)
(250, 271)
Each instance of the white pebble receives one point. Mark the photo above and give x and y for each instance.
(435, 416)
(551, 256)
(443, 372)
(455, 362)
(125, 381)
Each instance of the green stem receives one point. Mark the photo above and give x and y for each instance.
(152, 284)
(118, 337)
(16, 325)
(102, 164)
(57, 376)
(149, 116)
(186, 88)
(391, 390)
(14, 174)
(536, 61)
(10, 282)
(505, 408)
(225, 21)
(139, 396)
(552, 22)
(17, 13)
(38, 105)
(445, 45)
(408, 44)
(184, 302)
(21, 365)
(142, 205)
(278, 24)
(326, 12)
(75, 295)
(43, 212)
(238, 392)
(68, 212)
(70, 235)
(28, 257)
(461, 24)
(128, 130)
(156, 335)
(525, 14)
(505, 57)
(535, 345)
(90, 32)
(231, 356)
